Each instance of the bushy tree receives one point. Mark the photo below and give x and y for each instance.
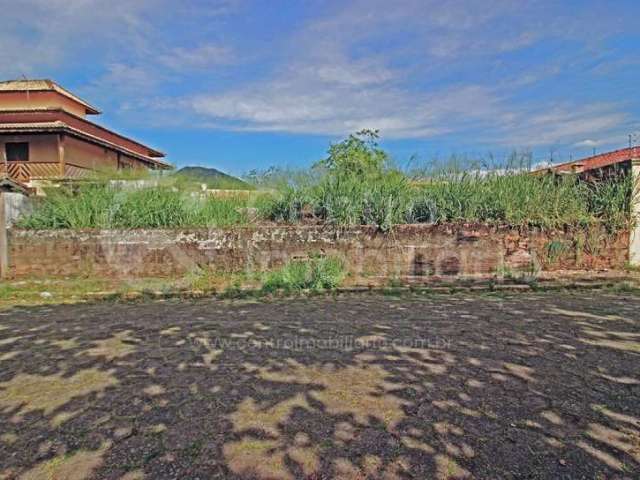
(359, 154)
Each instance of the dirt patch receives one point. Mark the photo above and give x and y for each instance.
(77, 466)
(119, 345)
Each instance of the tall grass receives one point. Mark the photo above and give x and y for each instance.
(220, 212)
(150, 208)
(103, 206)
(611, 200)
(92, 205)
(512, 198)
(357, 184)
(382, 200)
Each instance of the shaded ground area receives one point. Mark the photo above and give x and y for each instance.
(543, 385)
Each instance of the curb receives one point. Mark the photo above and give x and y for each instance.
(546, 285)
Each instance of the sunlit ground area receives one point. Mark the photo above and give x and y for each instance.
(540, 385)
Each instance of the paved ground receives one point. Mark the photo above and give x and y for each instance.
(529, 386)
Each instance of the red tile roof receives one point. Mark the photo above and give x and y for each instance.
(594, 162)
(45, 85)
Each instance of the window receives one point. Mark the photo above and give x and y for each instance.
(124, 164)
(17, 152)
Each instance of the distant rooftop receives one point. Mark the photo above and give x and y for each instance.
(594, 162)
(44, 86)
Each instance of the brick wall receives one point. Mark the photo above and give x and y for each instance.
(413, 250)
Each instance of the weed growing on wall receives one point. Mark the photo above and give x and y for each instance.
(555, 250)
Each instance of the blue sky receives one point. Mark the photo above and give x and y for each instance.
(248, 84)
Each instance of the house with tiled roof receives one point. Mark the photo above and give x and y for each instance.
(45, 134)
(596, 165)
(624, 160)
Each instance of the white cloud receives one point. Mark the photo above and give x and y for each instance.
(412, 68)
(44, 35)
(203, 56)
(126, 82)
(38, 35)
(588, 143)
(304, 103)
(355, 74)
(563, 124)
(300, 104)
(332, 84)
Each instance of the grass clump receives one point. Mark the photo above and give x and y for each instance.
(150, 208)
(103, 205)
(611, 200)
(555, 250)
(63, 209)
(220, 212)
(516, 198)
(315, 273)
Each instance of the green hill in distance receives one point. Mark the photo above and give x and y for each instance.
(213, 178)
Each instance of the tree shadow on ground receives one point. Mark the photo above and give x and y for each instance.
(527, 386)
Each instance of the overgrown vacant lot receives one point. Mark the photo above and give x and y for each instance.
(542, 385)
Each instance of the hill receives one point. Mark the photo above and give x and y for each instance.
(213, 178)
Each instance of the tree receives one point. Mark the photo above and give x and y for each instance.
(359, 154)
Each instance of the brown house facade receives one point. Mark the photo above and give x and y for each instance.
(44, 134)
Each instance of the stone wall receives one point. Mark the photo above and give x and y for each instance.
(409, 250)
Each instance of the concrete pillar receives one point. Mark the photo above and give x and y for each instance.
(634, 232)
(61, 159)
(4, 246)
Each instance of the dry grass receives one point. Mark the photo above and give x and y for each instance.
(357, 390)
(26, 393)
(114, 347)
(77, 466)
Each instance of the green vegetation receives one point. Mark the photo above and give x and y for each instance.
(296, 276)
(211, 177)
(101, 205)
(316, 273)
(37, 292)
(610, 200)
(356, 184)
(555, 250)
(514, 198)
